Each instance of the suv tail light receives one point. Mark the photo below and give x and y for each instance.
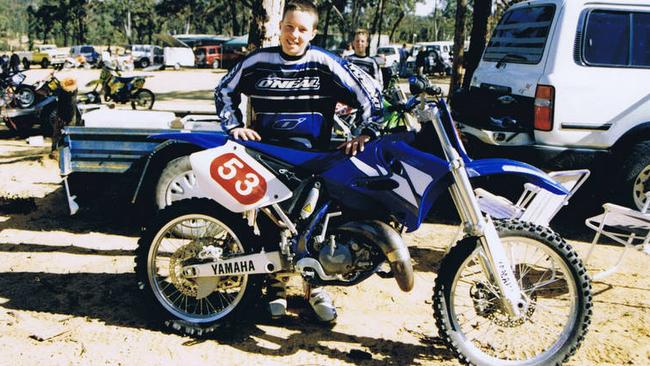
(544, 98)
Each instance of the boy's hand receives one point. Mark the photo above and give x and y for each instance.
(354, 145)
(245, 134)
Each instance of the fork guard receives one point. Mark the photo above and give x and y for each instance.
(390, 243)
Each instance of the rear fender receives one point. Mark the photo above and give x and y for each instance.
(485, 167)
(173, 145)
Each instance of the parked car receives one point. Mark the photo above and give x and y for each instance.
(565, 84)
(217, 56)
(88, 52)
(444, 48)
(390, 54)
(44, 55)
(145, 55)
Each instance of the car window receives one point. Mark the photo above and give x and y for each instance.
(641, 39)
(386, 51)
(86, 49)
(520, 36)
(616, 38)
(212, 51)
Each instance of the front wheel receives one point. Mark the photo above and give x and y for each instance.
(25, 96)
(556, 289)
(143, 99)
(162, 253)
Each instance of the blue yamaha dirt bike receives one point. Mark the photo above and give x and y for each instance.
(510, 292)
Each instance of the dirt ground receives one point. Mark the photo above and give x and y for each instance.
(68, 293)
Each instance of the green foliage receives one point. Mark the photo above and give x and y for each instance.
(68, 22)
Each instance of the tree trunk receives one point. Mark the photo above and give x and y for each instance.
(480, 17)
(235, 24)
(381, 21)
(327, 26)
(265, 26)
(397, 22)
(459, 42)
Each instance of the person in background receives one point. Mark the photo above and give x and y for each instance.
(298, 84)
(403, 56)
(361, 58)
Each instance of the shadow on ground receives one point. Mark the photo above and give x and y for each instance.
(115, 300)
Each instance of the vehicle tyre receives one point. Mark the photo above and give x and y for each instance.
(143, 99)
(144, 63)
(26, 64)
(20, 125)
(215, 64)
(45, 63)
(176, 182)
(177, 66)
(472, 322)
(25, 96)
(635, 176)
(161, 254)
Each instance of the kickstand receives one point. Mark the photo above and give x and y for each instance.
(74, 207)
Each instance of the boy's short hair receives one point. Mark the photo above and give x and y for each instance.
(302, 5)
(361, 32)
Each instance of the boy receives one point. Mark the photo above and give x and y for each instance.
(300, 83)
(361, 58)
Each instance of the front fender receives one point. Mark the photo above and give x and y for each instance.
(484, 167)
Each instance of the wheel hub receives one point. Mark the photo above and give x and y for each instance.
(487, 304)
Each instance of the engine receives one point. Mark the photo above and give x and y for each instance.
(346, 256)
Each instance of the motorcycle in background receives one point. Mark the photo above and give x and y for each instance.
(120, 89)
(55, 105)
(510, 292)
(13, 93)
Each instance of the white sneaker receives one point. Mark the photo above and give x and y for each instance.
(322, 304)
(277, 293)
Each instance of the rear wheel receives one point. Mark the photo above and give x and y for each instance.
(26, 64)
(45, 63)
(143, 99)
(144, 63)
(635, 172)
(162, 253)
(557, 292)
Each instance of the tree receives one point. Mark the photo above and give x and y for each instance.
(265, 26)
(459, 45)
(481, 13)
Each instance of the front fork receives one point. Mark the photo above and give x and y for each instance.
(495, 261)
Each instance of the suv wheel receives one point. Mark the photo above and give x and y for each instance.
(636, 176)
(144, 63)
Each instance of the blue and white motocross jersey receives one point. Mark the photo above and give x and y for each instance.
(296, 96)
(367, 64)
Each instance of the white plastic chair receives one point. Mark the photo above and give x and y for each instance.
(536, 204)
(623, 225)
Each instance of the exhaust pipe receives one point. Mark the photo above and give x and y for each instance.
(390, 243)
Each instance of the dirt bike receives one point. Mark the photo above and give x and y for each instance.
(13, 93)
(509, 292)
(121, 90)
(53, 99)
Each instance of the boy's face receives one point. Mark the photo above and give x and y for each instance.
(296, 31)
(360, 44)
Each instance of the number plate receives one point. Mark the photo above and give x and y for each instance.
(233, 178)
(240, 180)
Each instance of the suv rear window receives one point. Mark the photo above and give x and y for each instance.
(615, 38)
(521, 35)
(386, 51)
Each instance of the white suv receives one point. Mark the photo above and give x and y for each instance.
(567, 83)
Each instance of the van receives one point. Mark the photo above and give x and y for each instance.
(88, 52)
(566, 84)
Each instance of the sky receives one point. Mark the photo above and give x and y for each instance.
(424, 7)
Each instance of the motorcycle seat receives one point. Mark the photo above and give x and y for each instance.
(126, 80)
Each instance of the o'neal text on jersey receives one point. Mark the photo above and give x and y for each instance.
(289, 84)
